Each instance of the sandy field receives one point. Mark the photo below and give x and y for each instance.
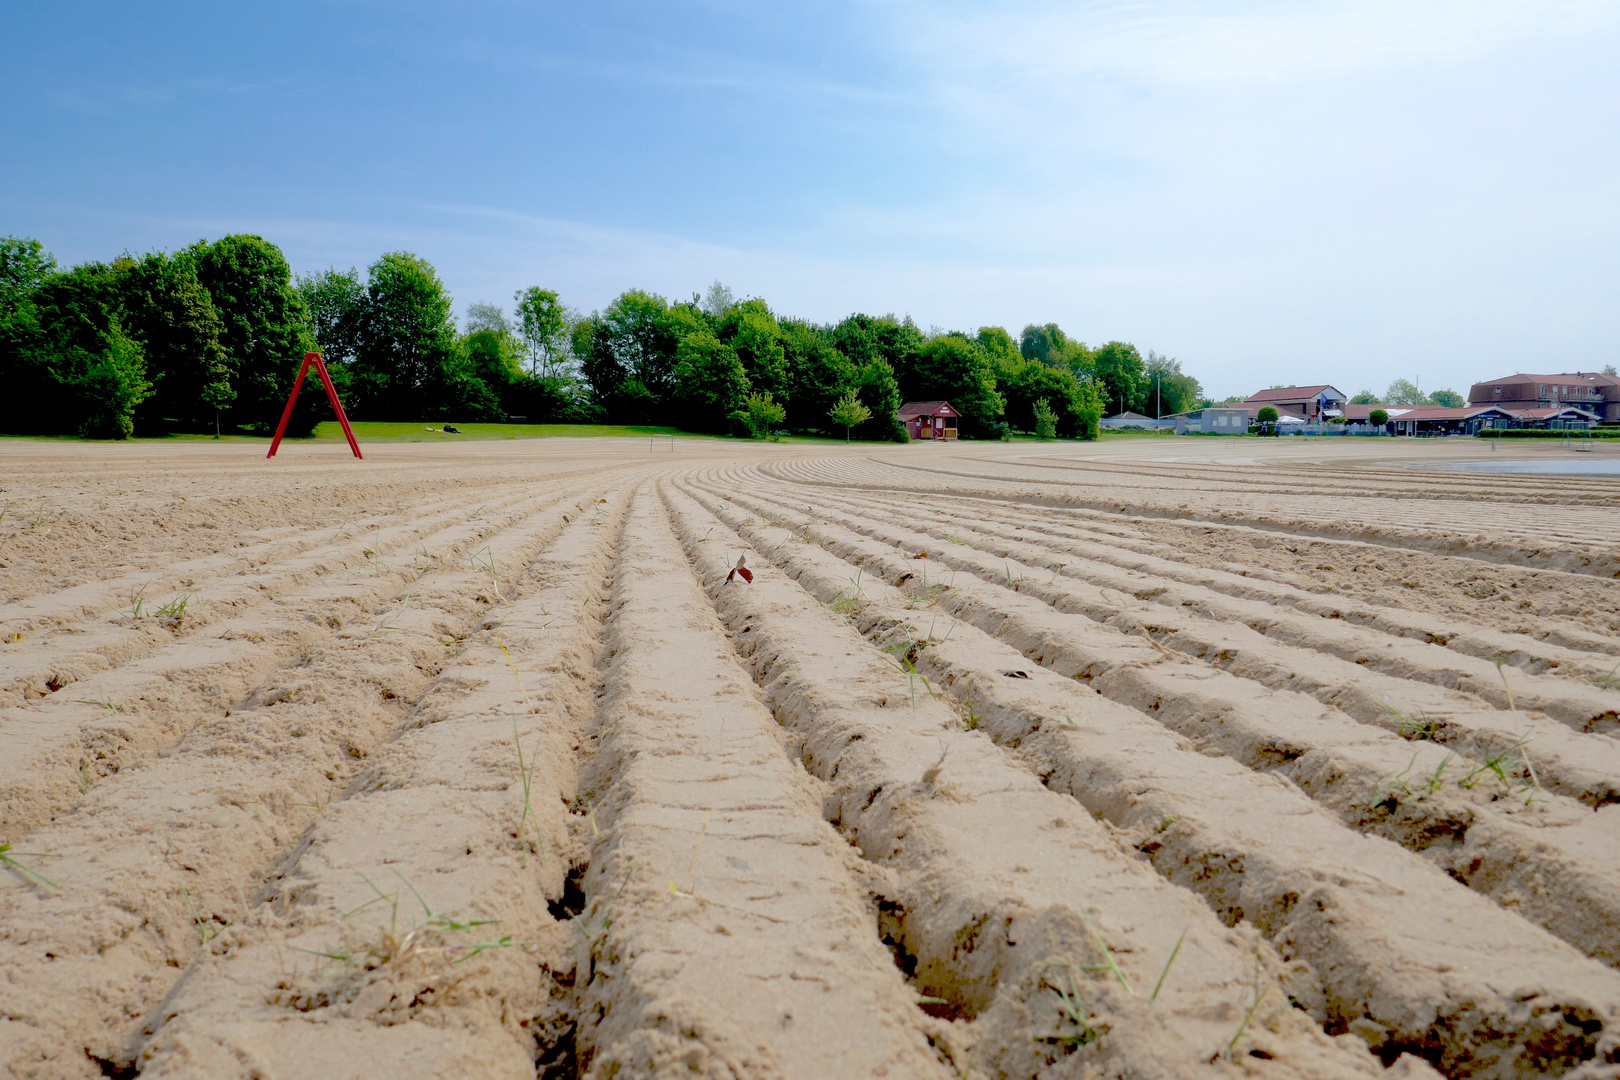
(1152, 758)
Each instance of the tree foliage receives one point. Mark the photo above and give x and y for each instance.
(216, 332)
(848, 411)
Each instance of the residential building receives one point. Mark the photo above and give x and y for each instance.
(1313, 404)
(1588, 391)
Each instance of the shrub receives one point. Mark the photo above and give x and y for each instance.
(760, 415)
(1045, 420)
(1378, 418)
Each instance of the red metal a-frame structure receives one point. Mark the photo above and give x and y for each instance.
(331, 394)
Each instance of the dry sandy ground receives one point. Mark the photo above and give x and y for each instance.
(1153, 758)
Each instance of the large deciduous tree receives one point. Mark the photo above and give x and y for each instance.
(168, 308)
(407, 341)
(265, 328)
(543, 326)
(1122, 376)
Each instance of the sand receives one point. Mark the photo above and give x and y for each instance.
(1147, 758)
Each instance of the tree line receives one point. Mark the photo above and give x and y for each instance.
(209, 338)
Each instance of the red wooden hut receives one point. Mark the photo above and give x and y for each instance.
(929, 419)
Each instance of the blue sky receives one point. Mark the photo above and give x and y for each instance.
(1347, 192)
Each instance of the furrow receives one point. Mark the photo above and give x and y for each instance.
(730, 937)
(49, 660)
(1582, 766)
(1520, 650)
(150, 851)
(47, 611)
(1403, 955)
(448, 809)
(54, 751)
(996, 889)
(1581, 706)
(1547, 857)
(1549, 548)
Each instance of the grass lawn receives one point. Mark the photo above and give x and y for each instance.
(391, 431)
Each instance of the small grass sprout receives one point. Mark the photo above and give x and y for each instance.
(1072, 1008)
(1603, 683)
(9, 860)
(1171, 959)
(175, 609)
(137, 603)
(1260, 992)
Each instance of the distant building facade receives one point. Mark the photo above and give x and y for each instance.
(1588, 391)
(1313, 404)
(929, 419)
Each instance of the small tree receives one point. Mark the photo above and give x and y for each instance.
(849, 412)
(760, 415)
(1045, 420)
(1378, 418)
(1266, 417)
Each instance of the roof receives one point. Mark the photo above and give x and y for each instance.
(1548, 414)
(1292, 393)
(1128, 415)
(913, 409)
(1564, 377)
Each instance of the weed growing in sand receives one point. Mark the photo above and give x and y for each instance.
(1171, 959)
(1260, 992)
(175, 609)
(424, 939)
(1109, 964)
(10, 861)
(1421, 729)
(137, 603)
(1603, 683)
(1392, 788)
(1073, 1010)
(205, 927)
(101, 703)
(1502, 674)
(525, 768)
(484, 559)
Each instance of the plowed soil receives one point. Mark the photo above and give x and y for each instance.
(1149, 758)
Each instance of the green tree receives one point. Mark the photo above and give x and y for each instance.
(113, 386)
(1378, 418)
(751, 329)
(1073, 401)
(1608, 369)
(1118, 367)
(335, 306)
(710, 381)
(817, 374)
(1169, 390)
(495, 358)
(407, 342)
(760, 415)
(1448, 399)
(543, 325)
(1003, 351)
(165, 305)
(1401, 392)
(877, 389)
(1266, 417)
(717, 301)
(1049, 345)
(1366, 397)
(848, 411)
(24, 267)
(1045, 420)
(627, 355)
(265, 330)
